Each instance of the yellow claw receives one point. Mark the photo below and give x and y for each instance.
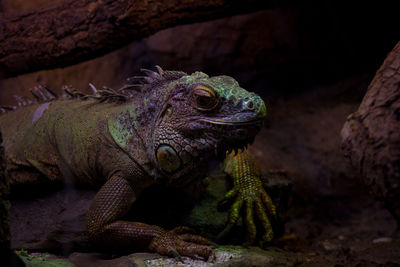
(250, 226)
(232, 219)
(230, 195)
(268, 202)
(234, 212)
(269, 234)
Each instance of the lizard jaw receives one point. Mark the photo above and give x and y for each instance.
(240, 134)
(254, 122)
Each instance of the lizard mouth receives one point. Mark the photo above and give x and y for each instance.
(237, 134)
(254, 122)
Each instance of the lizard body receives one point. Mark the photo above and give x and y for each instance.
(161, 131)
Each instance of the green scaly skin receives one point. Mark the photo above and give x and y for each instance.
(249, 194)
(164, 130)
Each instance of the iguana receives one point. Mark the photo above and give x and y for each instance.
(164, 129)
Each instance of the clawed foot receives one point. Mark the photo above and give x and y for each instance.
(180, 242)
(255, 203)
(248, 197)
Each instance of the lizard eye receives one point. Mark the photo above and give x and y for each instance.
(204, 98)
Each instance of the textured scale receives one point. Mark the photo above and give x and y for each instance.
(249, 194)
(162, 127)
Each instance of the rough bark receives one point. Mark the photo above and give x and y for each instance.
(76, 30)
(371, 135)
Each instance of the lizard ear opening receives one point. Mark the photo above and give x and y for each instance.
(168, 159)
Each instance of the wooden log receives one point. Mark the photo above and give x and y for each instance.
(76, 30)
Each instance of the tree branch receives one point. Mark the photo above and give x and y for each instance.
(77, 30)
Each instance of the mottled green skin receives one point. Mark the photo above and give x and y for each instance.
(250, 195)
(70, 142)
(166, 133)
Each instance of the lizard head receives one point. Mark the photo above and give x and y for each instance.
(202, 117)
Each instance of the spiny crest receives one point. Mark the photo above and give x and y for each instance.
(40, 94)
(150, 80)
(135, 85)
(102, 95)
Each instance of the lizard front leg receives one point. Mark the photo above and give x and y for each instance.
(248, 193)
(103, 226)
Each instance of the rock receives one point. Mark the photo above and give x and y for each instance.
(382, 240)
(205, 217)
(329, 246)
(222, 256)
(371, 135)
(54, 222)
(43, 260)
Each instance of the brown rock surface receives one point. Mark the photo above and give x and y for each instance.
(53, 222)
(371, 135)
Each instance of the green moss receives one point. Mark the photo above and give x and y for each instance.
(42, 260)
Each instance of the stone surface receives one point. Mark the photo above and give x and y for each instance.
(43, 260)
(371, 135)
(53, 222)
(222, 256)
